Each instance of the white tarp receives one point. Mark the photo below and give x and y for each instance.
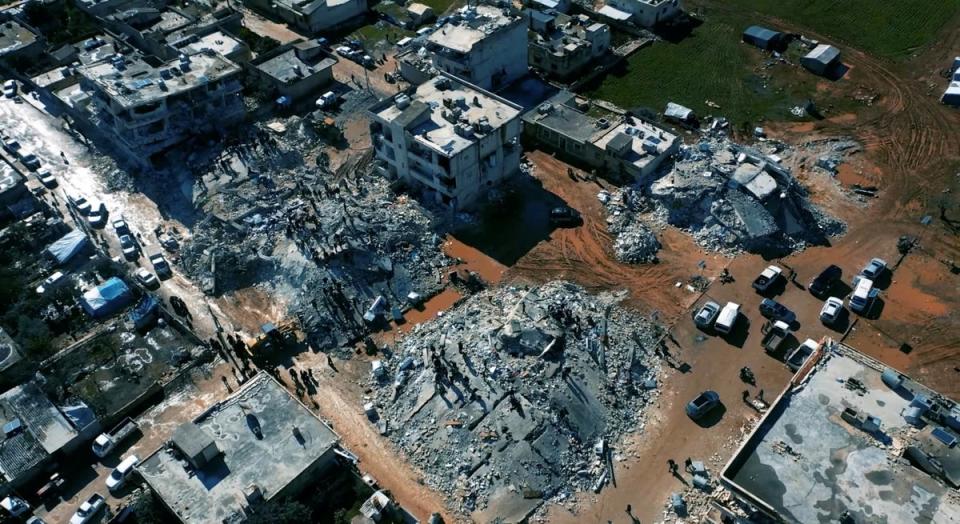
(678, 112)
(69, 245)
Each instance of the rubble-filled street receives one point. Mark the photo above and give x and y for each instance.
(518, 395)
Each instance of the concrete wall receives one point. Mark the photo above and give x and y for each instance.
(645, 14)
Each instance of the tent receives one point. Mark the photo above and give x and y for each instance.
(107, 298)
(69, 245)
(679, 112)
(762, 37)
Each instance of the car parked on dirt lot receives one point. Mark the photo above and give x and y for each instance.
(727, 318)
(767, 278)
(776, 311)
(97, 216)
(10, 88)
(706, 314)
(831, 311)
(823, 282)
(148, 279)
(88, 509)
(160, 265)
(703, 404)
(874, 268)
(118, 477)
(564, 216)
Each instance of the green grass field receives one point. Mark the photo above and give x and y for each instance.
(709, 64)
(885, 28)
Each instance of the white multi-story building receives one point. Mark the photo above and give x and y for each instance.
(145, 109)
(564, 46)
(648, 13)
(313, 16)
(448, 140)
(484, 45)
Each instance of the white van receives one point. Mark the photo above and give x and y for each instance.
(404, 43)
(862, 295)
(727, 318)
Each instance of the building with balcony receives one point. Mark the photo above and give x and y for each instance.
(448, 140)
(484, 45)
(313, 16)
(563, 46)
(629, 149)
(143, 110)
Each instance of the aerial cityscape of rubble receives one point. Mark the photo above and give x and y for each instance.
(542, 261)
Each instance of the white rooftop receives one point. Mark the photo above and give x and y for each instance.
(476, 23)
(639, 132)
(424, 117)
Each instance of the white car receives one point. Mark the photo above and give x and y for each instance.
(727, 318)
(80, 204)
(118, 477)
(88, 509)
(11, 145)
(50, 282)
(328, 99)
(14, 506)
(46, 178)
(831, 310)
(345, 51)
(146, 278)
(10, 88)
(97, 216)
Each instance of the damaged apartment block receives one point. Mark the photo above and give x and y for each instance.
(565, 46)
(448, 139)
(144, 109)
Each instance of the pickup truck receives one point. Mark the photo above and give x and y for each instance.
(801, 354)
(767, 278)
(774, 333)
(106, 442)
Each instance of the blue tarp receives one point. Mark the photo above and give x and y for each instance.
(69, 245)
(107, 298)
(145, 311)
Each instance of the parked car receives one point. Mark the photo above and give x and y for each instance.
(97, 215)
(50, 282)
(823, 282)
(831, 311)
(88, 509)
(148, 279)
(10, 88)
(564, 216)
(106, 442)
(874, 268)
(29, 160)
(129, 247)
(767, 278)
(118, 477)
(46, 178)
(327, 100)
(706, 314)
(14, 506)
(727, 318)
(800, 355)
(863, 295)
(10, 145)
(160, 265)
(703, 404)
(345, 51)
(36, 520)
(776, 311)
(80, 204)
(121, 227)
(774, 335)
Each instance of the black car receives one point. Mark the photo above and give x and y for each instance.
(825, 280)
(564, 216)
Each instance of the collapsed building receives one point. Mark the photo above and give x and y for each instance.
(332, 241)
(564, 46)
(517, 395)
(142, 109)
(484, 45)
(731, 198)
(631, 149)
(448, 140)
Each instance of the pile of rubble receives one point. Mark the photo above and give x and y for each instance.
(517, 395)
(334, 242)
(635, 243)
(731, 198)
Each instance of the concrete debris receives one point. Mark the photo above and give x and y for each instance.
(518, 395)
(335, 241)
(731, 198)
(635, 243)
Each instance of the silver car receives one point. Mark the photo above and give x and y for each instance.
(706, 314)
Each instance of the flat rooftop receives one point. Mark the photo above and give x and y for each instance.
(28, 404)
(14, 36)
(217, 41)
(137, 82)
(9, 177)
(292, 439)
(308, 6)
(424, 117)
(475, 24)
(807, 464)
(639, 132)
(290, 67)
